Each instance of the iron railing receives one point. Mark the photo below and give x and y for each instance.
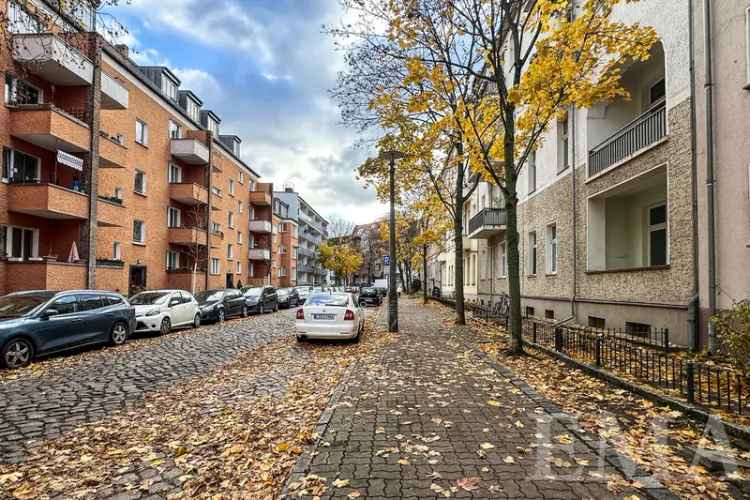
(488, 217)
(642, 132)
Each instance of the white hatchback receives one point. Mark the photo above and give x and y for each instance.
(330, 316)
(162, 310)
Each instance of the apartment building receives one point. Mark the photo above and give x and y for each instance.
(312, 230)
(285, 246)
(113, 176)
(605, 215)
(366, 238)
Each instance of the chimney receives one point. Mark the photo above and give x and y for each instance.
(123, 49)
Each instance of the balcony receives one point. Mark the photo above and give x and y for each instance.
(186, 279)
(48, 201)
(190, 151)
(41, 274)
(259, 254)
(260, 226)
(112, 151)
(305, 252)
(114, 94)
(487, 223)
(110, 213)
(50, 57)
(50, 128)
(188, 236)
(630, 141)
(261, 198)
(188, 193)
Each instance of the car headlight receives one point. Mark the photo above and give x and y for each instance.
(153, 312)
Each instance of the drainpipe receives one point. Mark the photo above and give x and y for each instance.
(210, 208)
(694, 304)
(94, 118)
(710, 180)
(574, 210)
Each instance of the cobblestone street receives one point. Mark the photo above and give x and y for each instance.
(432, 418)
(72, 390)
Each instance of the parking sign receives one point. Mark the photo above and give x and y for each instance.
(387, 260)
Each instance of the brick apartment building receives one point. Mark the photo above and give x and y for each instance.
(285, 246)
(114, 177)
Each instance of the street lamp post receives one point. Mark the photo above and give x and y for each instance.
(392, 156)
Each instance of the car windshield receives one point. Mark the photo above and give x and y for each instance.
(283, 291)
(209, 296)
(329, 299)
(366, 291)
(253, 292)
(148, 298)
(13, 306)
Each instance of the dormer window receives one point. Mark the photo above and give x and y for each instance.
(213, 126)
(169, 88)
(236, 148)
(193, 110)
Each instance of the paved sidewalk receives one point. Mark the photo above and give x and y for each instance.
(434, 418)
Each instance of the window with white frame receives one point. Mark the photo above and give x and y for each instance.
(502, 267)
(231, 187)
(531, 265)
(215, 227)
(230, 251)
(20, 167)
(116, 250)
(230, 220)
(173, 260)
(551, 250)
(215, 265)
(193, 110)
(242, 177)
(139, 231)
(239, 237)
(282, 250)
(168, 87)
(563, 144)
(531, 169)
(213, 126)
(19, 242)
(21, 92)
(173, 217)
(139, 182)
(175, 174)
(175, 130)
(657, 235)
(141, 132)
(240, 207)
(239, 267)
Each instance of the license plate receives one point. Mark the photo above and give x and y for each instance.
(324, 316)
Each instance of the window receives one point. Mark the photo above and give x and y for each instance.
(563, 148)
(282, 250)
(21, 20)
(532, 254)
(64, 305)
(215, 265)
(549, 314)
(251, 269)
(175, 174)
(116, 250)
(640, 329)
(251, 186)
(21, 92)
(139, 184)
(242, 177)
(529, 312)
(532, 172)
(168, 87)
(173, 260)
(230, 251)
(20, 167)
(551, 251)
(141, 133)
(239, 237)
(175, 131)
(239, 267)
(173, 217)
(193, 110)
(139, 231)
(240, 207)
(503, 267)
(118, 193)
(657, 235)
(657, 93)
(213, 126)
(231, 187)
(19, 242)
(215, 227)
(598, 323)
(230, 220)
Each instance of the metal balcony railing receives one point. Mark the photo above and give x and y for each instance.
(488, 217)
(642, 132)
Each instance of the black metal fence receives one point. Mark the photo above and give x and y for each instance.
(647, 358)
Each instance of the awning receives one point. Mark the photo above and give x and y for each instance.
(69, 160)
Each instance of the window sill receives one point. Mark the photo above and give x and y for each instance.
(531, 275)
(631, 269)
(138, 243)
(142, 195)
(551, 275)
(145, 146)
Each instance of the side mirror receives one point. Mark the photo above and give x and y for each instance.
(48, 313)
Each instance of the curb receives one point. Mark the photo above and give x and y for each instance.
(601, 447)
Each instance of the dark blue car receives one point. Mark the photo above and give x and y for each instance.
(44, 322)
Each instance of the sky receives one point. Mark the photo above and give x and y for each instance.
(265, 67)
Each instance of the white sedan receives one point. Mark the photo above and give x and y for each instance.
(162, 310)
(330, 316)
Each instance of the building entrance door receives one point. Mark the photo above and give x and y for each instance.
(137, 280)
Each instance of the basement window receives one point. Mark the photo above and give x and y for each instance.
(598, 323)
(549, 314)
(640, 329)
(529, 312)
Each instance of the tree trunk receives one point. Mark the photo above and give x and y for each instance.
(458, 239)
(424, 273)
(511, 239)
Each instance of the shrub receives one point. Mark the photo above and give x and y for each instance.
(733, 330)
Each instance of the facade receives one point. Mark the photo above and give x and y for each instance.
(725, 125)
(285, 246)
(366, 237)
(312, 230)
(605, 214)
(114, 177)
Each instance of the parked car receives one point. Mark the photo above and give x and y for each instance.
(369, 296)
(162, 310)
(303, 292)
(288, 297)
(382, 291)
(261, 299)
(330, 316)
(37, 323)
(220, 304)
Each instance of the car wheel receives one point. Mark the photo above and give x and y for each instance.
(17, 353)
(166, 326)
(300, 338)
(119, 334)
(244, 311)
(260, 309)
(197, 321)
(221, 315)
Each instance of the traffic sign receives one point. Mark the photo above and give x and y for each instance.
(387, 260)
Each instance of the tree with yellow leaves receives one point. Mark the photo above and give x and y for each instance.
(529, 62)
(342, 259)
